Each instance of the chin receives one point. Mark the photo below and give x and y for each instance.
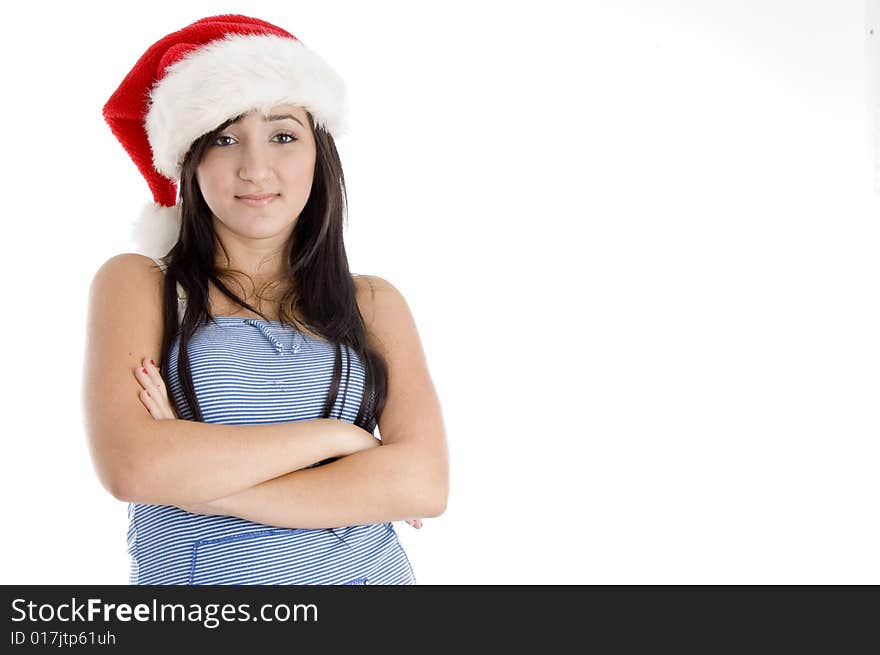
(256, 224)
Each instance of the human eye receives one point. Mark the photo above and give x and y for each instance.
(215, 142)
(287, 134)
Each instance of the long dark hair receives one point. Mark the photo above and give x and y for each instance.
(319, 294)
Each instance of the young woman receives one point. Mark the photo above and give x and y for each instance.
(236, 371)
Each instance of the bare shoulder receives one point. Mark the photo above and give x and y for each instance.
(388, 321)
(382, 305)
(127, 288)
(127, 281)
(368, 285)
(130, 266)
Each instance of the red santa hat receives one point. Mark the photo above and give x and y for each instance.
(194, 79)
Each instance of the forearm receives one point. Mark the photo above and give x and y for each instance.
(180, 462)
(390, 483)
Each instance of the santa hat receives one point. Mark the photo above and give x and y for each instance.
(189, 82)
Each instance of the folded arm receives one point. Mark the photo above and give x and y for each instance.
(407, 476)
(390, 483)
(179, 462)
(169, 462)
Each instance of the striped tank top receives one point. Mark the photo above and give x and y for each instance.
(249, 371)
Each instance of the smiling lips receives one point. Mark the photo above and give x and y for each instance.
(259, 200)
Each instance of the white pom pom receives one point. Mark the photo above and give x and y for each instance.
(156, 230)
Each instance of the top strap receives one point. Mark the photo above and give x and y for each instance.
(181, 294)
(159, 263)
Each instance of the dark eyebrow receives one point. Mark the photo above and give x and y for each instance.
(275, 117)
(281, 117)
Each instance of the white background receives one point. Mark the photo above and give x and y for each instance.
(640, 240)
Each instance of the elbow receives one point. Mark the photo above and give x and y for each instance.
(425, 500)
(435, 501)
(427, 486)
(437, 508)
(442, 497)
(118, 492)
(116, 458)
(114, 474)
(135, 482)
(132, 470)
(121, 484)
(123, 474)
(116, 484)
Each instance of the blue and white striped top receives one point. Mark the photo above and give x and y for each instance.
(248, 371)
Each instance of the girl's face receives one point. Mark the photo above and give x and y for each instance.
(256, 156)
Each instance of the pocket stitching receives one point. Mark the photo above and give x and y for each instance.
(219, 540)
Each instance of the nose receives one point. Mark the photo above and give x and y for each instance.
(256, 163)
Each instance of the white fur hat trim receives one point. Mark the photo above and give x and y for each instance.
(156, 229)
(231, 76)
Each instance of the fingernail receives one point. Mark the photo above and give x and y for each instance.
(152, 362)
(145, 371)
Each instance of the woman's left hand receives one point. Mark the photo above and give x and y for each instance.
(154, 393)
